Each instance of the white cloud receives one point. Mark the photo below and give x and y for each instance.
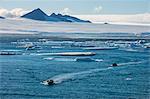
(136, 18)
(66, 11)
(98, 9)
(16, 12)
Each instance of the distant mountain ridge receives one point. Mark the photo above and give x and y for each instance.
(38, 14)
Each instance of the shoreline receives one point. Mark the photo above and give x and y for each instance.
(34, 37)
(25, 28)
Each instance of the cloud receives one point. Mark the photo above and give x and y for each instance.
(16, 12)
(136, 18)
(98, 9)
(66, 11)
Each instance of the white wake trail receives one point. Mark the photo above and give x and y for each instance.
(130, 63)
(71, 76)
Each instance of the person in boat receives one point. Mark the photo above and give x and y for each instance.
(50, 82)
(114, 64)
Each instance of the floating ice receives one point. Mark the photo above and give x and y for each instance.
(100, 48)
(69, 54)
(10, 52)
(128, 79)
(78, 59)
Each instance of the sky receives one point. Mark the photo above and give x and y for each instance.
(81, 7)
(93, 10)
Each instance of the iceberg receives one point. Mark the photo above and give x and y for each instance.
(77, 59)
(10, 52)
(100, 48)
(84, 59)
(69, 54)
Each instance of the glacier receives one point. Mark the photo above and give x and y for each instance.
(21, 26)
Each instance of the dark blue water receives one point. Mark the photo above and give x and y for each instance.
(21, 75)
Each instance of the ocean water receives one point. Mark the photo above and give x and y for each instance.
(22, 74)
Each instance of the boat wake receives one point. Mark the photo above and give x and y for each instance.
(130, 63)
(72, 76)
(79, 75)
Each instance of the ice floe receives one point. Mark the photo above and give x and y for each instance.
(69, 54)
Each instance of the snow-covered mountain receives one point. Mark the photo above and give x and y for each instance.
(38, 14)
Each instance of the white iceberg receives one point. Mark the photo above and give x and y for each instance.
(100, 48)
(69, 54)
